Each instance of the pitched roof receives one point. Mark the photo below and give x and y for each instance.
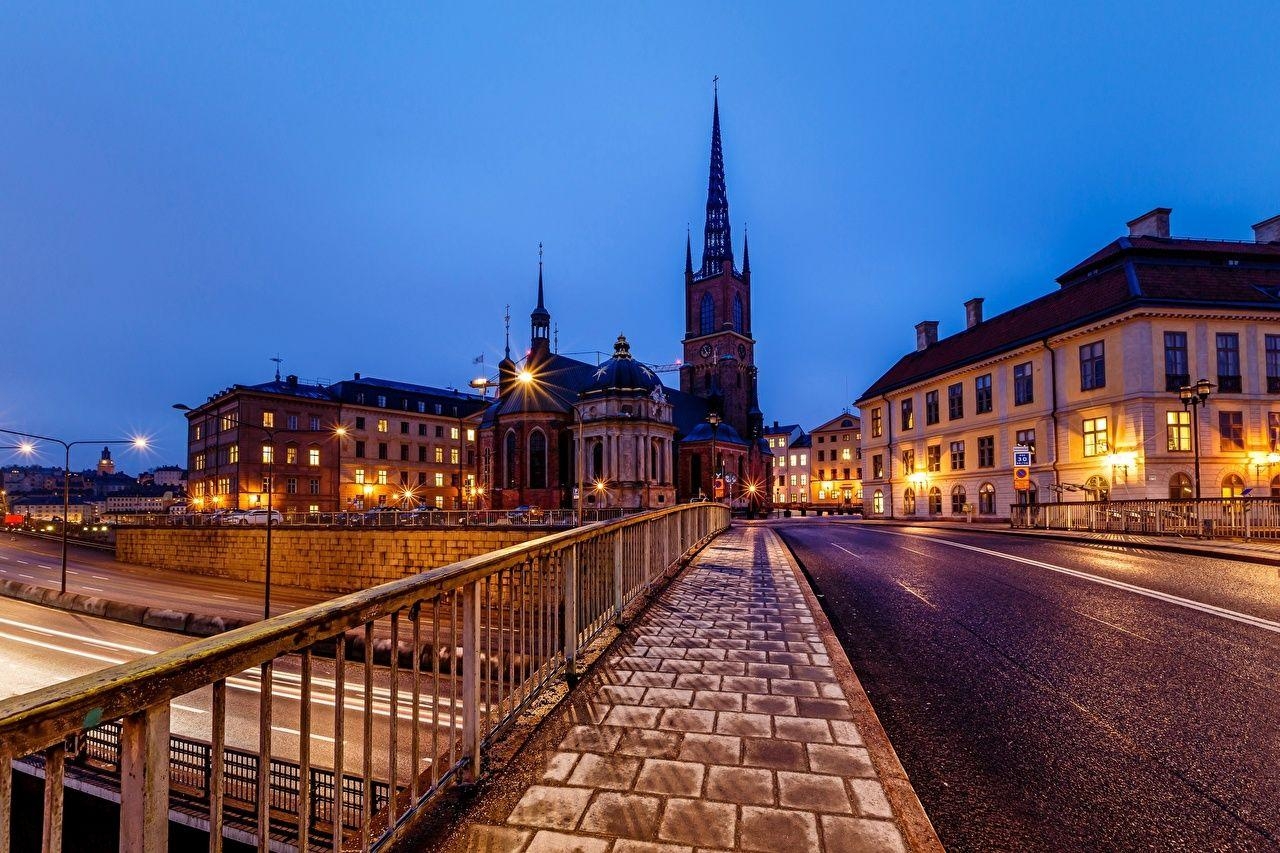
(1128, 273)
(838, 422)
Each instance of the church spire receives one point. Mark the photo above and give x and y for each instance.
(718, 246)
(688, 253)
(746, 253)
(540, 319)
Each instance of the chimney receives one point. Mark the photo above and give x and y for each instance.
(926, 334)
(357, 376)
(973, 312)
(1267, 231)
(291, 380)
(1152, 224)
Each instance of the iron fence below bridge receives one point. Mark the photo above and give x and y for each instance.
(1210, 518)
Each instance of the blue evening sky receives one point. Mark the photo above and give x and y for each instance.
(186, 190)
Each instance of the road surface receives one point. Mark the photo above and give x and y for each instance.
(1056, 696)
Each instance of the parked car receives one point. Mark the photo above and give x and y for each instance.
(259, 516)
(381, 515)
(226, 516)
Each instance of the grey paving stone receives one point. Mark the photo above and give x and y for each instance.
(717, 700)
(699, 822)
(849, 761)
(774, 754)
(627, 845)
(558, 842)
(687, 720)
(555, 807)
(770, 704)
(678, 778)
(859, 835)
(649, 743)
(622, 815)
(667, 697)
(559, 766)
(634, 716)
(710, 749)
(497, 839)
(813, 792)
(800, 728)
(772, 830)
(591, 739)
(614, 772)
(871, 799)
(746, 725)
(746, 785)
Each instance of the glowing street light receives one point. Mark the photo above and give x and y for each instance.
(28, 447)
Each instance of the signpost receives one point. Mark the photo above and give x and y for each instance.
(1021, 468)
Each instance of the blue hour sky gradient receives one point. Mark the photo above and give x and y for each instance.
(187, 189)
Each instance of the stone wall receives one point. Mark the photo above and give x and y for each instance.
(321, 559)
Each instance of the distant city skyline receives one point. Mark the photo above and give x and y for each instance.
(189, 192)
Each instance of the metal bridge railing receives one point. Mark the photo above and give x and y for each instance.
(1210, 518)
(510, 621)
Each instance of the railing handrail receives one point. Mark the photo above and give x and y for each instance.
(37, 719)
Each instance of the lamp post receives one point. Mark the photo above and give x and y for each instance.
(271, 488)
(140, 443)
(1193, 397)
(526, 377)
(714, 420)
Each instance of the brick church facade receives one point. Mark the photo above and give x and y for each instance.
(614, 429)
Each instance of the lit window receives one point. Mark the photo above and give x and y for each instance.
(471, 435)
(439, 454)
(844, 454)
(1095, 436)
(268, 453)
(422, 407)
(804, 458)
(359, 476)
(313, 456)
(382, 424)
(1179, 424)
(290, 456)
(439, 480)
(198, 463)
(453, 433)
(1231, 430)
(453, 456)
(877, 423)
(877, 502)
(439, 501)
(233, 453)
(382, 476)
(268, 419)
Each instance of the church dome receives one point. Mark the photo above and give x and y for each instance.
(622, 374)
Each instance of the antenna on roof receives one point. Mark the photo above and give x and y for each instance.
(279, 361)
(507, 319)
(556, 346)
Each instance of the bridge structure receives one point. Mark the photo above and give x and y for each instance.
(460, 652)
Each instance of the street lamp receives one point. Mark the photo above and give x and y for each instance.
(714, 420)
(271, 488)
(138, 442)
(1193, 397)
(527, 378)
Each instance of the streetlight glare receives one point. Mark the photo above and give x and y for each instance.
(27, 448)
(141, 442)
(524, 376)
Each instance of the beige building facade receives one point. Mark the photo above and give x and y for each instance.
(835, 467)
(1089, 378)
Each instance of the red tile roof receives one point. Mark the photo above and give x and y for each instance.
(1129, 272)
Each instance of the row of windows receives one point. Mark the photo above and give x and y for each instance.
(437, 453)
(383, 425)
(959, 498)
(381, 401)
(379, 477)
(1177, 361)
(707, 314)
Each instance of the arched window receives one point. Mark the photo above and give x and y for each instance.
(877, 502)
(957, 500)
(509, 460)
(1029, 496)
(737, 313)
(707, 325)
(1097, 488)
(1180, 487)
(597, 460)
(935, 501)
(1275, 487)
(537, 460)
(987, 499)
(909, 502)
(1232, 486)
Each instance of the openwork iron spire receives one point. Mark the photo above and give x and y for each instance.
(718, 246)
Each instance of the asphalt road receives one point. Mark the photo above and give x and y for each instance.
(41, 646)
(92, 572)
(1055, 696)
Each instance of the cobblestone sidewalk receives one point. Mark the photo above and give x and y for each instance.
(719, 726)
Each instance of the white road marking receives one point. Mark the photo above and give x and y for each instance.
(53, 632)
(24, 562)
(297, 733)
(847, 551)
(100, 577)
(917, 595)
(94, 588)
(223, 595)
(3, 557)
(187, 708)
(1212, 610)
(28, 577)
(43, 566)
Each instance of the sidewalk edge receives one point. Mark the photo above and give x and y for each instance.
(916, 827)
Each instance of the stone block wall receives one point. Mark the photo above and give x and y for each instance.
(320, 559)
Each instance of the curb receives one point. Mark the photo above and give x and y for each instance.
(912, 819)
(162, 618)
(1172, 547)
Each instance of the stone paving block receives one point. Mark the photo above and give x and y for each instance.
(849, 761)
(827, 709)
(745, 684)
(800, 728)
(699, 822)
(639, 663)
(789, 658)
(746, 725)
(687, 720)
(497, 839)
(790, 687)
(627, 845)
(635, 716)
(559, 766)
(705, 654)
(813, 673)
(859, 835)
(747, 655)
(590, 713)
(768, 670)
(619, 695)
(774, 754)
(871, 799)
(711, 749)
(697, 681)
(649, 743)
(830, 691)
(680, 666)
(558, 842)
(652, 679)
(772, 830)
(614, 772)
(591, 739)
(846, 732)
(622, 815)
(813, 792)
(717, 700)
(745, 785)
(679, 778)
(555, 807)
(667, 697)
(770, 704)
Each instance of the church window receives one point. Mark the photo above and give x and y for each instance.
(511, 460)
(537, 460)
(597, 461)
(708, 315)
(737, 313)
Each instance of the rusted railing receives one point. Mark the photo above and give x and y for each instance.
(509, 622)
(1212, 518)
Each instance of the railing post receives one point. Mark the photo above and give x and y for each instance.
(471, 735)
(571, 614)
(144, 781)
(618, 602)
(647, 545)
(6, 799)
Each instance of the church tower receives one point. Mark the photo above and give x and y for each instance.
(719, 351)
(539, 323)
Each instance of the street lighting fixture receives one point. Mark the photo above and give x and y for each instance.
(714, 419)
(270, 460)
(27, 447)
(527, 378)
(1193, 397)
